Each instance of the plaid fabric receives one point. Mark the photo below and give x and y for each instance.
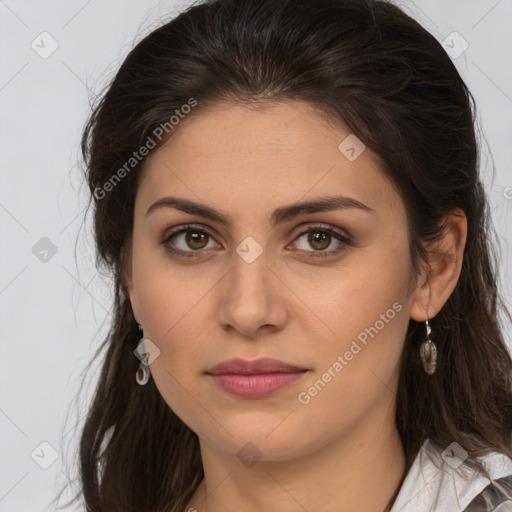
(496, 497)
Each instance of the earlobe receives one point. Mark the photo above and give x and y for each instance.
(443, 269)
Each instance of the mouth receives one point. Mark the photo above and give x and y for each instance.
(255, 379)
(258, 366)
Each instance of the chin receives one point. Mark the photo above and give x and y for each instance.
(259, 443)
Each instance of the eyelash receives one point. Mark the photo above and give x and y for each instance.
(345, 241)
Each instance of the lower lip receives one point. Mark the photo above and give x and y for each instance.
(255, 386)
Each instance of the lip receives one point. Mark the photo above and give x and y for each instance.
(255, 379)
(245, 367)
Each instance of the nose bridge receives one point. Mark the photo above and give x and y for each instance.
(249, 298)
(250, 275)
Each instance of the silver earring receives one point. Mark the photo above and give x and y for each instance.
(428, 352)
(143, 373)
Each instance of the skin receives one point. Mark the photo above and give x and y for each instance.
(246, 162)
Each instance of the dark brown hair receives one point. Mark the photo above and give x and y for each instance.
(370, 65)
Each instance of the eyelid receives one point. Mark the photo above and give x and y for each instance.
(183, 229)
(341, 236)
(345, 240)
(323, 227)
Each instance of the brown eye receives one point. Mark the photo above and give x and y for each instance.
(187, 241)
(190, 242)
(195, 239)
(321, 238)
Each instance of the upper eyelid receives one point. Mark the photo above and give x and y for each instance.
(303, 230)
(187, 227)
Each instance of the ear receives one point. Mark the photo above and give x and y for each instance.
(126, 270)
(441, 274)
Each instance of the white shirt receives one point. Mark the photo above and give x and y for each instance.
(428, 488)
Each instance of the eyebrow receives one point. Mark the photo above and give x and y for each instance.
(279, 215)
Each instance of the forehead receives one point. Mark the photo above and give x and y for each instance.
(274, 126)
(262, 156)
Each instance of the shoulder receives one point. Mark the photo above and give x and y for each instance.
(441, 482)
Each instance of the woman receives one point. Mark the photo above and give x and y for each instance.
(306, 306)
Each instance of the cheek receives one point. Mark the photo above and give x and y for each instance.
(366, 285)
(175, 303)
(174, 311)
(167, 294)
(175, 315)
(366, 308)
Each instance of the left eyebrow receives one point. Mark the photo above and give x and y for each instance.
(278, 216)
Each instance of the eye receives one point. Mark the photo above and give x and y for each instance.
(189, 240)
(320, 238)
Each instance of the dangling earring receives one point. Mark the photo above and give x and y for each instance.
(143, 373)
(428, 352)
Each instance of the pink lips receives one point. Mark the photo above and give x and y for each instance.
(254, 379)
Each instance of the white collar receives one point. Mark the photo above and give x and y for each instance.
(432, 485)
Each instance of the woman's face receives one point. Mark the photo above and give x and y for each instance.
(335, 305)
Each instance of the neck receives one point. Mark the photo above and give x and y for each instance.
(368, 456)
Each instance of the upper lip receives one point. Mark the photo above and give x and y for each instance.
(245, 367)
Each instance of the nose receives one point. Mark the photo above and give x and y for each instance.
(252, 298)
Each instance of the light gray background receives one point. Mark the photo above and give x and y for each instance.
(54, 313)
